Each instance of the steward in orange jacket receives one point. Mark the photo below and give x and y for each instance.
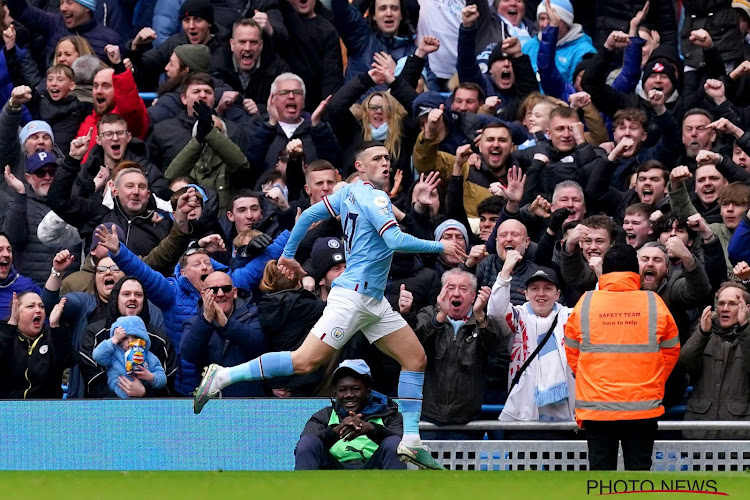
(621, 344)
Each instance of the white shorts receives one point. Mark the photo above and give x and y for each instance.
(348, 312)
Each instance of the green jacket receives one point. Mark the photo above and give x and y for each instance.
(209, 164)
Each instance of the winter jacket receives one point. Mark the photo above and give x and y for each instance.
(739, 246)
(362, 42)
(141, 234)
(95, 376)
(169, 137)
(569, 50)
(318, 142)
(11, 150)
(210, 164)
(614, 15)
(720, 20)
(378, 406)
(541, 178)
(178, 298)
(30, 256)
(348, 128)
(14, 283)
(166, 20)
(128, 104)
(407, 269)
(621, 343)
(553, 83)
(314, 54)
(33, 368)
(456, 366)
(718, 370)
(469, 71)
(286, 318)
(6, 82)
(476, 182)
(522, 330)
(52, 26)
(82, 309)
(123, 16)
(135, 151)
(112, 357)
(239, 341)
(259, 87)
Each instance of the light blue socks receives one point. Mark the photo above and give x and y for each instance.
(410, 402)
(269, 365)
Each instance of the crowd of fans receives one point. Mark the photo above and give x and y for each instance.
(535, 141)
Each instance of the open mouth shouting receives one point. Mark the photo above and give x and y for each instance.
(506, 79)
(37, 320)
(649, 277)
(4, 267)
(631, 238)
(647, 195)
(54, 93)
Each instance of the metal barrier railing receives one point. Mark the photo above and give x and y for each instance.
(663, 425)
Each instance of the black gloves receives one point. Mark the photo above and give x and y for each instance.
(255, 247)
(557, 219)
(202, 112)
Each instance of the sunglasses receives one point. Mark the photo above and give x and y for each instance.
(43, 172)
(224, 288)
(103, 269)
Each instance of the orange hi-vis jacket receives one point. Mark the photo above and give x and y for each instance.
(621, 343)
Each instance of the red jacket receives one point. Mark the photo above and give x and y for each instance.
(128, 104)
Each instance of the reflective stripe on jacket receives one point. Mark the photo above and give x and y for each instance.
(621, 344)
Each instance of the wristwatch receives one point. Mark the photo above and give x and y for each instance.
(10, 105)
(54, 273)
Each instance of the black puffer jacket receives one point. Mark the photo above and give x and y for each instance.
(141, 234)
(135, 151)
(32, 369)
(720, 20)
(286, 318)
(614, 15)
(95, 376)
(31, 257)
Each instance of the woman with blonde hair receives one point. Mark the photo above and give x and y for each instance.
(380, 117)
(70, 48)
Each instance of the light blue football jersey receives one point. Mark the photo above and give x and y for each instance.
(365, 215)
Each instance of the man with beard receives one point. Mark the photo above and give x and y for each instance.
(360, 431)
(114, 144)
(583, 250)
(450, 230)
(27, 208)
(509, 74)
(495, 146)
(682, 288)
(226, 330)
(114, 91)
(249, 65)
(650, 188)
(11, 282)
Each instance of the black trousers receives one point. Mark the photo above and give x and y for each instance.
(604, 437)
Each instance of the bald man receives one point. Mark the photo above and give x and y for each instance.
(227, 331)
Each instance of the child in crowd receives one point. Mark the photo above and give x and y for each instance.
(127, 354)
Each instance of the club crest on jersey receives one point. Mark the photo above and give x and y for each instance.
(380, 201)
(337, 333)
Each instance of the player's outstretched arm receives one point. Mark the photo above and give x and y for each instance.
(399, 241)
(319, 211)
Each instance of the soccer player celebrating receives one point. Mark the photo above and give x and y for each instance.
(356, 301)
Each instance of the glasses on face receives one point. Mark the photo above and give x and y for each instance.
(731, 304)
(111, 133)
(375, 107)
(103, 269)
(286, 92)
(43, 172)
(224, 288)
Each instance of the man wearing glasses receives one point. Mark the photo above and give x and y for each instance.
(225, 330)
(25, 212)
(285, 123)
(115, 143)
